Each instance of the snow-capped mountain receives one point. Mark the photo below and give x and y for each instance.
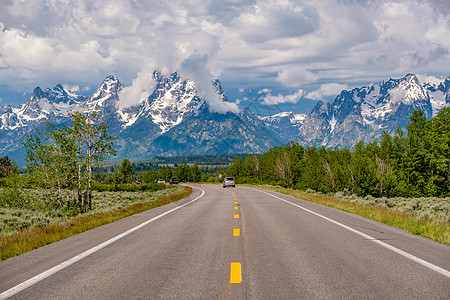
(364, 113)
(286, 124)
(105, 97)
(173, 120)
(173, 100)
(41, 105)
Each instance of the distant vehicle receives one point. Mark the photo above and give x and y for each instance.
(138, 181)
(160, 181)
(173, 180)
(229, 181)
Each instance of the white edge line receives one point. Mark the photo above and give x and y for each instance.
(366, 236)
(26, 284)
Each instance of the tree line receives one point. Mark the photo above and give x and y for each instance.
(415, 163)
(183, 172)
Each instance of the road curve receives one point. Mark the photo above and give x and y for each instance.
(240, 243)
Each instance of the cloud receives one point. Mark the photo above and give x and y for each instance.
(295, 77)
(325, 90)
(269, 99)
(72, 88)
(430, 79)
(195, 67)
(250, 43)
(140, 89)
(274, 19)
(264, 91)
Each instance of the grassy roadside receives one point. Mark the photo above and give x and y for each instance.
(437, 229)
(27, 240)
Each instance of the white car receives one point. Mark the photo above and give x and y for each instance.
(229, 181)
(161, 181)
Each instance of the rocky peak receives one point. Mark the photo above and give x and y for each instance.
(219, 90)
(106, 94)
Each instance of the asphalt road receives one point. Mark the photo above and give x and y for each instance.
(234, 243)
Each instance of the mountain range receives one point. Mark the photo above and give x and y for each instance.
(175, 120)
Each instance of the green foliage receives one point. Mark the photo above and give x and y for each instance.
(13, 219)
(127, 187)
(413, 165)
(150, 176)
(235, 169)
(196, 174)
(123, 173)
(62, 158)
(209, 159)
(165, 173)
(7, 167)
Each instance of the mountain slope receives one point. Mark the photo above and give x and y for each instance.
(173, 120)
(364, 113)
(286, 124)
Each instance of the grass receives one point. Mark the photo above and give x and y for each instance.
(435, 226)
(29, 239)
(38, 210)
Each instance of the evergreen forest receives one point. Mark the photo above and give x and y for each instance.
(415, 163)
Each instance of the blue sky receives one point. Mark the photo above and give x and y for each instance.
(270, 54)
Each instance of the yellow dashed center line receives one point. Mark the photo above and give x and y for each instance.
(235, 270)
(235, 273)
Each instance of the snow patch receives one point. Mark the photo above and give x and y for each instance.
(437, 100)
(333, 122)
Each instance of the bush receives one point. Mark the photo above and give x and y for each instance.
(127, 187)
(3, 182)
(247, 179)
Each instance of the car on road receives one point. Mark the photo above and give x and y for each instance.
(229, 181)
(160, 181)
(173, 180)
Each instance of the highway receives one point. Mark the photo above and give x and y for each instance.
(234, 243)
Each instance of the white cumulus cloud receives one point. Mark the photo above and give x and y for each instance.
(249, 43)
(326, 90)
(140, 89)
(270, 99)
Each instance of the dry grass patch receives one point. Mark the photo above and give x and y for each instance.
(433, 226)
(27, 240)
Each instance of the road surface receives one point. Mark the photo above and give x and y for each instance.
(234, 243)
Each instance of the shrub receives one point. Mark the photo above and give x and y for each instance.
(127, 187)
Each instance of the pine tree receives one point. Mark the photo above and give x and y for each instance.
(438, 153)
(283, 167)
(365, 179)
(125, 171)
(385, 168)
(7, 167)
(416, 167)
(235, 169)
(313, 175)
(196, 173)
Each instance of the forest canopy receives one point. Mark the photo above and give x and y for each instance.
(411, 164)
